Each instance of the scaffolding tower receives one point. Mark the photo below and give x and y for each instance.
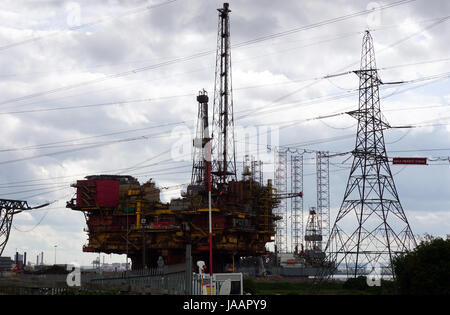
(296, 202)
(323, 195)
(280, 175)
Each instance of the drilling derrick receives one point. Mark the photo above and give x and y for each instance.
(313, 239)
(313, 234)
(223, 150)
(371, 203)
(199, 167)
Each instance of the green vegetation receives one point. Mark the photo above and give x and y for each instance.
(356, 286)
(250, 286)
(359, 283)
(426, 269)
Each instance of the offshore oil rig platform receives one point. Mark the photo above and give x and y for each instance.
(126, 217)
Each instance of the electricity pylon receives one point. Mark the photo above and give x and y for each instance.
(371, 208)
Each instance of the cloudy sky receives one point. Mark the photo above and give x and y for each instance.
(109, 87)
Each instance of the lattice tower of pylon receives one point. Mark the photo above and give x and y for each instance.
(199, 173)
(371, 226)
(323, 195)
(6, 218)
(296, 202)
(280, 175)
(8, 208)
(223, 146)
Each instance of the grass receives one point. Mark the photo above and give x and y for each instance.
(303, 287)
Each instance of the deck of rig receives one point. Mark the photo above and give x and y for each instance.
(125, 217)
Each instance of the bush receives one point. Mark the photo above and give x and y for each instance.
(359, 283)
(426, 269)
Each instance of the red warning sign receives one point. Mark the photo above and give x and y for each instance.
(411, 161)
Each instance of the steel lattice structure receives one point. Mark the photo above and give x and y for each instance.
(252, 169)
(199, 175)
(313, 232)
(371, 203)
(224, 157)
(280, 174)
(257, 170)
(7, 210)
(296, 202)
(323, 195)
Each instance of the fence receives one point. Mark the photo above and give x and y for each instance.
(167, 280)
(222, 284)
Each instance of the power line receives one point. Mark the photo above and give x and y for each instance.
(115, 88)
(35, 226)
(64, 70)
(105, 171)
(339, 72)
(322, 23)
(200, 54)
(123, 102)
(57, 143)
(31, 190)
(128, 102)
(267, 110)
(94, 145)
(91, 146)
(131, 12)
(44, 193)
